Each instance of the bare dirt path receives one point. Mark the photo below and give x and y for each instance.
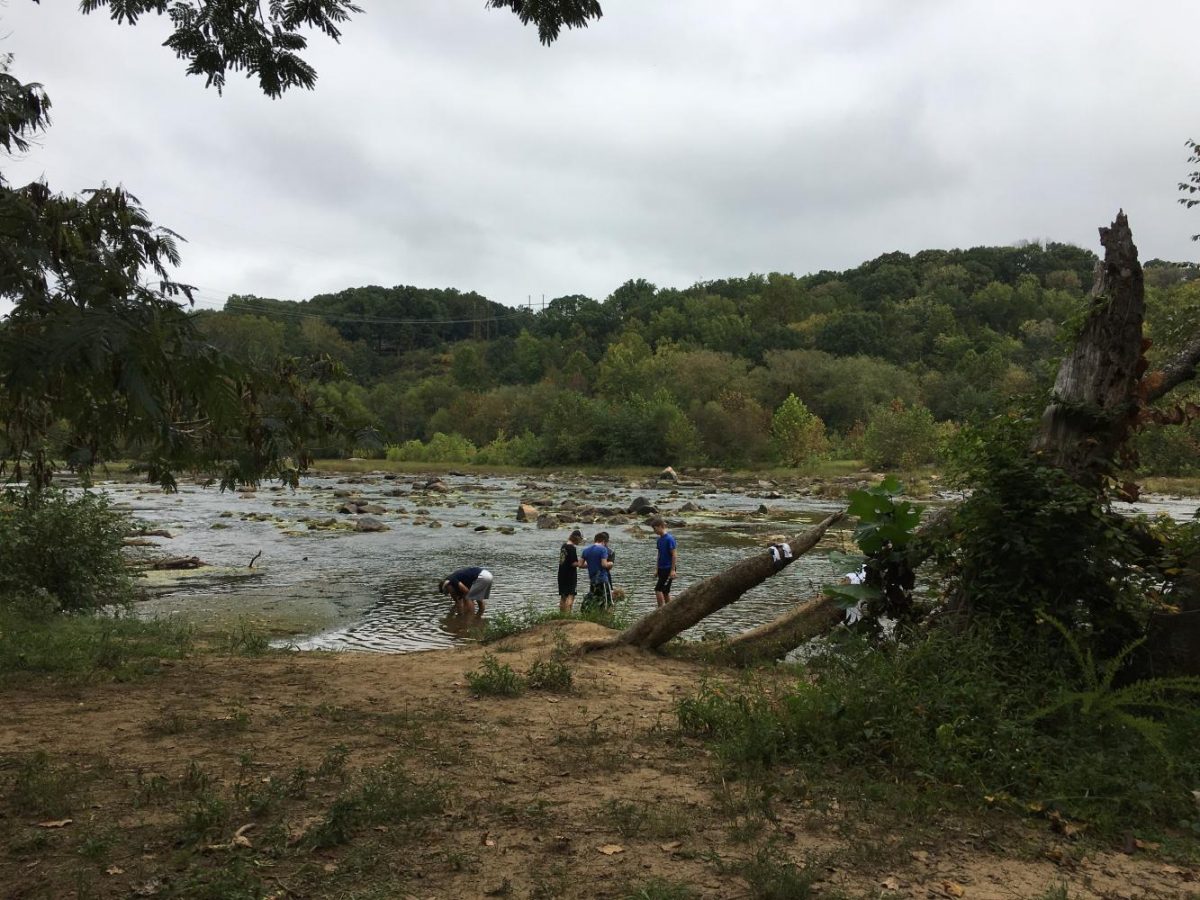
(591, 793)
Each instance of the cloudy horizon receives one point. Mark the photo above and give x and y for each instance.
(443, 146)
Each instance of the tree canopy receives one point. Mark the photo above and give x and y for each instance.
(266, 40)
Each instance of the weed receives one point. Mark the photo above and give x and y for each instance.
(1056, 892)
(246, 640)
(334, 762)
(549, 675)
(203, 817)
(150, 790)
(96, 846)
(496, 679)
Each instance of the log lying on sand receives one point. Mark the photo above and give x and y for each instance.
(806, 620)
(706, 597)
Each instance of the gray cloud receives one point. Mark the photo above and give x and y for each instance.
(676, 141)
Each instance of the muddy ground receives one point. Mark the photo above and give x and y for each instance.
(147, 788)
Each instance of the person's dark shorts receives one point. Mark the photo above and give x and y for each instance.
(663, 584)
(568, 587)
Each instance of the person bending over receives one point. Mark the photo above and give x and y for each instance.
(468, 587)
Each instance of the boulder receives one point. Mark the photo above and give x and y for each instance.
(373, 509)
(546, 522)
(669, 474)
(370, 523)
(526, 513)
(641, 506)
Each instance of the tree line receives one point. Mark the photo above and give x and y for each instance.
(880, 362)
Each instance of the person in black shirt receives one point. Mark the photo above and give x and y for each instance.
(569, 565)
(468, 588)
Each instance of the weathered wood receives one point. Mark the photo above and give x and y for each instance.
(1094, 401)
(708, 596)
(774, 640)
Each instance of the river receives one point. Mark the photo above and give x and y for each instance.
(318, 584)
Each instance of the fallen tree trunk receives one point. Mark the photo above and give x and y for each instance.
(774, 640)
(714, 593)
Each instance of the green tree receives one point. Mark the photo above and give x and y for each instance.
(900, 436)
(796, 434)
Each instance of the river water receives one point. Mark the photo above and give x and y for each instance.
(322, 587)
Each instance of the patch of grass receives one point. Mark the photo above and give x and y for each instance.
(88, 645)
(652, 821)
(496, 679)
(38, 787)
(385, 795)
(203, 817)
(244, 639)
(230, 878)
(1056, 892)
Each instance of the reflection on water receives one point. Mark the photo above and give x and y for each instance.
(378, 590)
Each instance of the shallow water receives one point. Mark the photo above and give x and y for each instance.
(342, 589)
(376, 591)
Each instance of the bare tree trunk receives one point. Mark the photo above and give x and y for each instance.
(1094, 402)
(774, 640)
(714, 593)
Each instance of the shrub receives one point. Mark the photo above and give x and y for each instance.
(62, 553)
(452, 448)
(900, 437)
(522, 450)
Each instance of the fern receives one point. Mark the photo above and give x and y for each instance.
(1107, 705)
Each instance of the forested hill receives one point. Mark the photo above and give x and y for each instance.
(656, 375)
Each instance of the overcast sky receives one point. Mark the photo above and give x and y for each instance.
(675, 140)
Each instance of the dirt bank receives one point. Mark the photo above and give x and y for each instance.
(591, 793)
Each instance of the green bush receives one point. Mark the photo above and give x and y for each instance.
(900, 437)
(521, 450)
(59, 552)
(1029, 540)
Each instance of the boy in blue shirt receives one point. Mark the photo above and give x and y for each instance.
(667, 561)
(599, 559)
